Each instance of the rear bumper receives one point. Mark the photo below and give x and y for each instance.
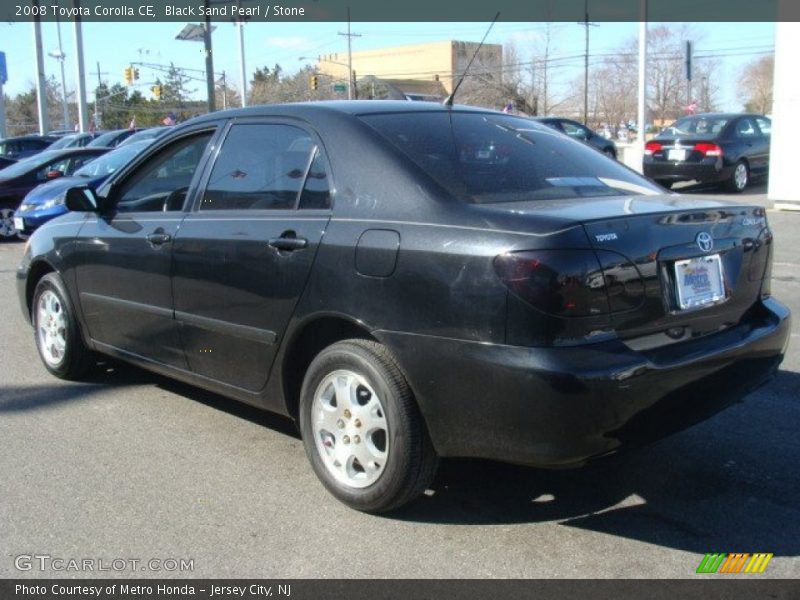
(708, 171)
(562, 406)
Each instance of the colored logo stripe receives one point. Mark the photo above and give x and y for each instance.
(736, 562)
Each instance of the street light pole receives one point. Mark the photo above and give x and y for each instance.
(83, 116)
(242, 70)
(209, 59)
(641, 116)
(41, 87)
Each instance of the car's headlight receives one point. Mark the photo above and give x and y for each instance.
(54, 202)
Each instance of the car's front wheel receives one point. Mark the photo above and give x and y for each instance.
(362, 430)
(58, 337)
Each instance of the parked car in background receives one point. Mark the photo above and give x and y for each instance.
(23, 146)
(409, 280)
(582, 133)
(21, 177)
(46, 201)
(111, 139)
(74, 140)
(152, 133)
(727, 148)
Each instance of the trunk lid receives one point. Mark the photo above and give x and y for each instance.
(657, 254)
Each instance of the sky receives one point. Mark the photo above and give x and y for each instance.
(295, 44)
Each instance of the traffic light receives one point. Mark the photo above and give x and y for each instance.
(156, 89)
(135, 74)
(314, 82)
(128, 75)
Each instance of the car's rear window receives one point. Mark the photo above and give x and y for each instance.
(487, 158)
(699, 126)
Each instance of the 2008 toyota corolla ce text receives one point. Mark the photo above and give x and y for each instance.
(411, 281)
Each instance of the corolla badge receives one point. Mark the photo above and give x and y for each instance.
(704, 241)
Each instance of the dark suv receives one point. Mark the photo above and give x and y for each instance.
(410, 281)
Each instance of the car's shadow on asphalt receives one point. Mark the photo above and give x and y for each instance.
(729, 484)
(757, 188)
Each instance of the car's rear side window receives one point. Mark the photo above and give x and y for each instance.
(266, 166)
(486, 158)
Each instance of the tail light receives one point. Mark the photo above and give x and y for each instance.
(707, 149)
(651, 148)
(564, 283)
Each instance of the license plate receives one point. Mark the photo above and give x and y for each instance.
(699, 281)
(677, 154)
(19, 224)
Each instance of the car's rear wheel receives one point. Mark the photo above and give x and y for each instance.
(739, 178)
(7, 229)
(362, 430)
(609, 152)
(58, 337)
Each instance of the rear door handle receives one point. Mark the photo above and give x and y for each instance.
(288, 243)
(158, 237)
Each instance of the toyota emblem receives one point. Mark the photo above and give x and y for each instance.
(704, 241)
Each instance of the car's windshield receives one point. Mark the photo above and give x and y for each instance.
(64, 142)
(107, 164)
(145, 134)
(28, 164)
(487, 158)
(105, 139)
(700, 125)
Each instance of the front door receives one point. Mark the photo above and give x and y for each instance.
(125, 254)
(243, 255)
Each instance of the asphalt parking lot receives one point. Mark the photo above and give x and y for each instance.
(135, 466)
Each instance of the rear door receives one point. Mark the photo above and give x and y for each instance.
(751, 144)
(125, 254)
(243, 255)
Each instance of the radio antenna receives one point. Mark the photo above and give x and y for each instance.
(449, 100)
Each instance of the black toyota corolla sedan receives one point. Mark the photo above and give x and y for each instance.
(411, 281)
(730, 149)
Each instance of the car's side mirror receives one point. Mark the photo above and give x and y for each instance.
(82, 199)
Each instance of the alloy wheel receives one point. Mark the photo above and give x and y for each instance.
(7, 229)
(51, 327)
(350, 428)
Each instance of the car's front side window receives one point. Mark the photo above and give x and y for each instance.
(162, 182)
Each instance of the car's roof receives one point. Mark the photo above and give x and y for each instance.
(348, 107)
(722, 115)
(29, 136)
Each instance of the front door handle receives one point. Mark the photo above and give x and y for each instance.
(159, 237)
(288, 242)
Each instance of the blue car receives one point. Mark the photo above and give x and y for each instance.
(46, 202)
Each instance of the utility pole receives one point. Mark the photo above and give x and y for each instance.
(96, 102)
(586, 24)
(61, 57)
(350, 36)
(83, 115)
(688, 73)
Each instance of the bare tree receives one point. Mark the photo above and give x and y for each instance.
(755, 85)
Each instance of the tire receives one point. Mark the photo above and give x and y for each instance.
(56, 330)
(665, 183)
(378, 424)
(739, 179)
(7, 230)
(609, 152)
